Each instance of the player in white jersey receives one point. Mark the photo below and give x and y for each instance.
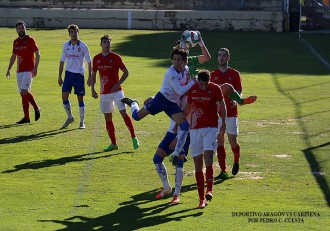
(173, 87)
(74, 52)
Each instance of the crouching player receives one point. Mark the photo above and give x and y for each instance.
(164, 149)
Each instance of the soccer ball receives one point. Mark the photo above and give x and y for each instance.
(190, 38)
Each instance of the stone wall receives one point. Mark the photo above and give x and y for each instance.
(264, 5)
(144, 19)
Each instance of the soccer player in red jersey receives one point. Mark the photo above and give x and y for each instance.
(228, 78)
(24, 49)
(108, 63)
(203, 99)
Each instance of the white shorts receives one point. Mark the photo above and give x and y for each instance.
(231, 125)
(107, 102)
(202, 139)
(24, 80)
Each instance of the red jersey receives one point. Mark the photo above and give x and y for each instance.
(24, 49)
(204, 111)
(232, 77)
(108, 67)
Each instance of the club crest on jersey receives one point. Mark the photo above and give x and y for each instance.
(110, 61)
(209, 92)
(229, 78)
(98, 61)
(79, 49)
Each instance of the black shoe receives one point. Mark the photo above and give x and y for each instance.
(209, 196)
(222, 175)
(37, 114)
(235, 168)
(129, 101)
(23, 121)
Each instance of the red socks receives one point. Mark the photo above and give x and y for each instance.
(236, 152)
(209, 177)
(129, 125)
(111, 131)
(221, 154)
(200, 184)
(25, 105)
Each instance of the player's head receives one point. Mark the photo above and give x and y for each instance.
(21, 28)
(179, 51)
(203, 78)
(223, 56)
(73, 31)
(105, 43)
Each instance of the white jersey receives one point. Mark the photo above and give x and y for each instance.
(74, 55)
(174, 84)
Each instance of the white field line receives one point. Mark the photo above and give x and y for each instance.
(86, 171)
(314, 52)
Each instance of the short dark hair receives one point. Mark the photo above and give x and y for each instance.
(179, 51)
(225, 50)
(106, 37)
(20, 22)
(73, 27)
(203, 75)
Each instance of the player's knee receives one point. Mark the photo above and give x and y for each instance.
(180, 163)
(157, 159)
(184, 126)
(81, 104)
(135, 115)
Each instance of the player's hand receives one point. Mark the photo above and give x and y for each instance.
(233, 104)
(182, 157)
(222, 130)
(34, 72)
(8, 75)
(60, 82)
(115, 87)
(89, 82)
(94, 94)
(173, 143)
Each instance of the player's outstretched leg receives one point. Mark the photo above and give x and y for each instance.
(249, 100)
(129, 101)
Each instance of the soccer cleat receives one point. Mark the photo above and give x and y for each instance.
(235, 168)
(202, 204)
(129, 101)
(163, 192)
(111, 147)
(67, 122)
(23, 121)
(209, 196)
(37, 114)
(249, 100)
(136, 143)
(175, 200)
(82, 125)
(222, 175)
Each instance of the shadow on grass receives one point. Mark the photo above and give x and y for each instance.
(310, 151)
(131, 215)
(60, 161)
(9, 125)
(317, 171)
(31, 137)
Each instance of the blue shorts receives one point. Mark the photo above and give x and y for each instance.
(160, 104)
(167, 140)
(75, 80)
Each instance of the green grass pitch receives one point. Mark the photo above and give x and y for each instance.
(55, 179)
